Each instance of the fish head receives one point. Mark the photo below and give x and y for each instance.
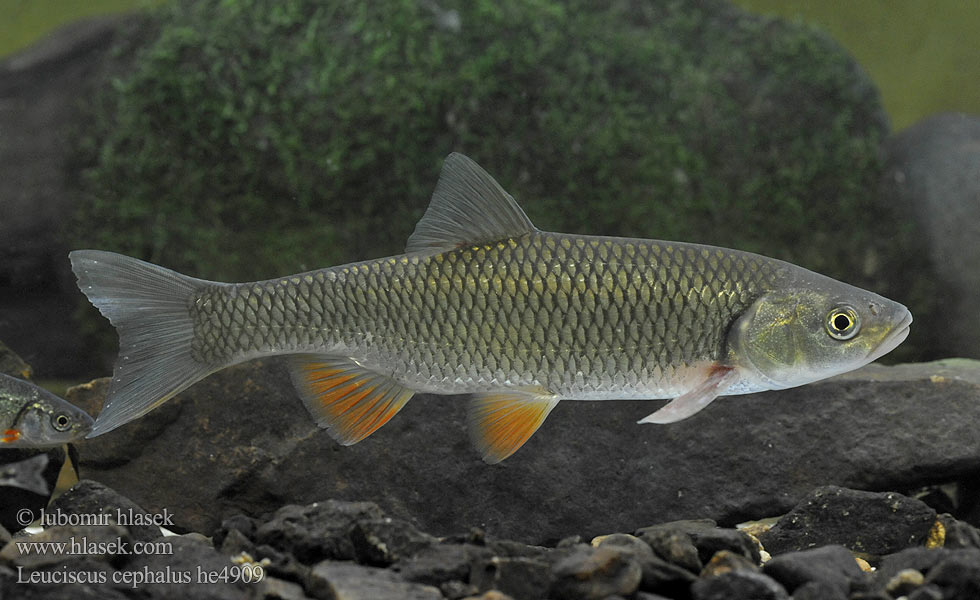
(41, 419)
(814, 330)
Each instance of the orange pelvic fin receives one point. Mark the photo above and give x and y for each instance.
(351, 402)
(500, 422)
(10, 436)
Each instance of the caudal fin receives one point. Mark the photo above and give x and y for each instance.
(148, 306)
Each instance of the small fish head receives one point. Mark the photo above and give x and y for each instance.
(42, 419)
(812, 331)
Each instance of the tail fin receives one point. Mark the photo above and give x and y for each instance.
(147, 305)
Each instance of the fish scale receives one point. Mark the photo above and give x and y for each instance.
(569, 313)
(484, 302)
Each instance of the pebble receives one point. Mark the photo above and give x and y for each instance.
(352, 551)
(866, 522)
(593, 573)
(350, 581)
(738, 584)
(381, 542)
(832, 565)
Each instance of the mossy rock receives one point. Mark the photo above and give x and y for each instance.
(252, 138)
(12, 364)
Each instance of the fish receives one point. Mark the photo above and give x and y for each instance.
(26, 474)
(32, 417)
(484, 303)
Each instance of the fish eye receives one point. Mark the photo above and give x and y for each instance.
(843, 323)
(61, 421)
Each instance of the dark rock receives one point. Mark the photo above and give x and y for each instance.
(349, 581)
(191, 567)
(710, 541)
(928, 592)
(867, 595)
(515, 549)
(234, 542)
(868, 522)
(442, 563)
(317, 531)
(832, 565)
(958, 574)
(93, 542)
(904, 582)
(857, 430)
(957, 534)
(380, 542)
(490, 595)
(932, 178)
(87, 499)
(672, 542)
(280, 589)
(13, 365)
(281, 564)
(658, 574)
(235, 534)
(738, 584)
(83, 578)
(593, 573)
(919, 559)
(649, 596)
(13, 500)
(89, 397)
(4, 536)
(522, 578)
(819, 590)
(454, 589)
(725, 561)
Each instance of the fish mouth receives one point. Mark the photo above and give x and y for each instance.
(893, 339)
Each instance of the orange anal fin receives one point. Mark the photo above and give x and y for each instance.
(10, 436)
(500, 422)
(351, 402)
(716, 380)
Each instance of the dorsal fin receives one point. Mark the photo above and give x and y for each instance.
(467, 207)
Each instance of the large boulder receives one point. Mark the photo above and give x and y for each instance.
(932, 179)
(40, 91)
(241, 441)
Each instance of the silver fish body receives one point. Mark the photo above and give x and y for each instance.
(584, 317)
(32, 417)
(482, 302)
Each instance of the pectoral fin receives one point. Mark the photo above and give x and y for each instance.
(351, 402)
(500, 422)
(714, 384)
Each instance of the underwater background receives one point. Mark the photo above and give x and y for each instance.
(225, 140)
(243, 139)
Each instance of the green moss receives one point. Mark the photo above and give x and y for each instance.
(258, 137)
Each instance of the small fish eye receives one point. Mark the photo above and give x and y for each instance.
(843, 323)
(61, 421)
